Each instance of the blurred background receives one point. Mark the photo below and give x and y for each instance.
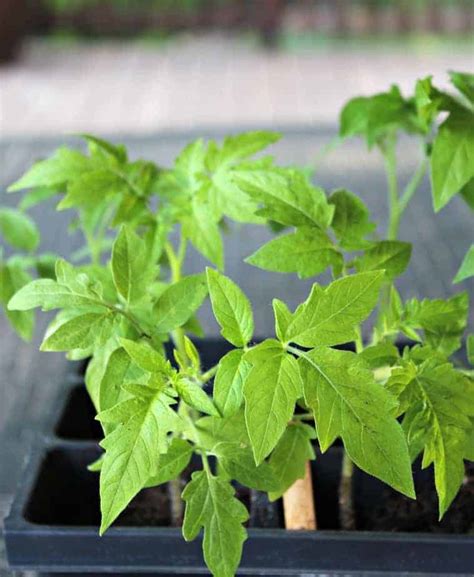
(155, 74)
(135, 66)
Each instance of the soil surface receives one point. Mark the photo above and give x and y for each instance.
(399, 513)
(150, 508)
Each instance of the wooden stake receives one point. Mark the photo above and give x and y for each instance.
(298, 504)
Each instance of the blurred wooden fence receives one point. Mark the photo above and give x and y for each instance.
(268, 17)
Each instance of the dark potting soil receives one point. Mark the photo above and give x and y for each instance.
(399, 513)
(150, 508)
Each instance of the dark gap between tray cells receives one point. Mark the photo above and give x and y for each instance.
(66, 493)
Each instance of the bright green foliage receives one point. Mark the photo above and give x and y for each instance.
(79, 332)
(376, 116)
(453, 157)
(466, 269)
(307, 252)
(211, 505)
(12, 279)
(129, 266)
(288, 460)
(133, 447)
(143, 355)
(438, 403)
(195, 397)
(18, 229)
(470, 349)
(287, 197)
(231, 308)
(330, 316)
(443, 322)
(253, 418)
(228, 383)
(351, 222)
(49, 294)
(172, 463)
(271, 389)
(392, 256)
(464, 82)
(65, 165)
(237, 462)
(179, 302)
(348, 403)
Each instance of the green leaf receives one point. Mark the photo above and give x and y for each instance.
(440, 405)
(132, 448)
(214, 430)
(467, 193)
(288, 460)
(348, 403)
(96, 465)
(428, 101)
(392, 256)
(351, 220)
(146, 357)
(203, 232)
(331, 316)
(466, 269)
(172, 463)
(18, 229)
(380, 355)
(131, 270)
(91, 188)
(48, 294)
(195, 397)
(238, 464)
(307, 252)
(36, 196)
(211, 504)
(228, 382)
(231, 308)
(239, 147)
(288, 197)
(12, 279)
(452, 158)
(117, 366)
(283, 318)
(63, 166)
(79, 332)
(376, 116)
(442, 321)
(179, 302)
(271, 389)
(464, 82)
(470, 349)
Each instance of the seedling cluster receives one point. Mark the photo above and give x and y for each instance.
(125, 295)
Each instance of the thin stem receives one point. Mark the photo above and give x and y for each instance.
(390, 159)
(346, 504)
(412, 186)
(197, 440)
(208, 375)
(303, 417)
(176, 263)
(128, 316)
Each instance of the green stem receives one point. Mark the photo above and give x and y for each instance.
(303, 417)
(390, 159)
(346, 503)
(128, 316)
(176, 262)
(412, 186)
(197, 440)
(207, 376)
